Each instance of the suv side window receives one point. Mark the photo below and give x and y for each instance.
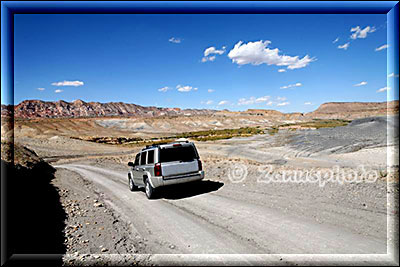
(150, 157)
(143, 158)
(137, 159)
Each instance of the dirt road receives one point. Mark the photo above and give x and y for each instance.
(216, 218)
(233, 222)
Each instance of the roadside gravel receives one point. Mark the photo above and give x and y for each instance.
(93, 231)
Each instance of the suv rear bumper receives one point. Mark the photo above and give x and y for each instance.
(158, 181)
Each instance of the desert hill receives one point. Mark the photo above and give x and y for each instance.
(79, 109)
(351, 110)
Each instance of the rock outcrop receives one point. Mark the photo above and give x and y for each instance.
(352, 110)
(80, 109)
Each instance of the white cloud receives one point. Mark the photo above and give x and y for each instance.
(205, 59)
(208, 102)
(279, 102)
(360, 84)
(393, 75)
(263, 99)
(344, 46)
(283, 104)
(244, 101)
(210, 90)
(337, 39)
(281, 70)
(68, 83)
(381, 47)
(252, 100)
(291, 85)
(383, 89)
(41, 89)
(164, 89)
(175, 40)
(308, 103)
(58, 91)
(211, 52)
(257, 53)
(223, 102)
(358, 33)
(186, 88)
(210, 58)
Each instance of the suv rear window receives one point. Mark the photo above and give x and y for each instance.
(178, 153)
(150, 157)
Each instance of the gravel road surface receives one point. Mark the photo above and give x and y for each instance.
(215, 217)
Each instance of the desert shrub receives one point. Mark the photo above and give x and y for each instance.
(273, 131)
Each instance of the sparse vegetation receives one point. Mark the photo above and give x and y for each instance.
(111, 140)
(220, 134)
(212, 135)
(317, 123)
(273, 130)
(163, 140)
(213, 138)
(209, 135)
(217, 134)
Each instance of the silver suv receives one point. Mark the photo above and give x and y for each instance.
(165, 164)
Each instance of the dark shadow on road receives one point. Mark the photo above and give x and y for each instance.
(186, 190)
(35, 218)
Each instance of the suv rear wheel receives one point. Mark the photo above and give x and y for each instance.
(149, 189)
(132, 185)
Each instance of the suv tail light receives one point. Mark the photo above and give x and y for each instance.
(157, 169)
(200, 165)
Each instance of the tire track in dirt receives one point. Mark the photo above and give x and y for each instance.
(210, 223)
(165, 229)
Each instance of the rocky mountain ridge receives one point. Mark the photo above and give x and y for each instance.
(80, 109)
(29, 109)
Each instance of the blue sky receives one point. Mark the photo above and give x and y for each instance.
(203, 61)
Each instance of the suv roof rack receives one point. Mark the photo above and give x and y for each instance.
(165, 143)
(154, 145)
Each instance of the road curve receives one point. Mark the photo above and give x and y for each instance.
(213, 223)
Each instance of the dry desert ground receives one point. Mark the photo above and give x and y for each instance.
(266, 198)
